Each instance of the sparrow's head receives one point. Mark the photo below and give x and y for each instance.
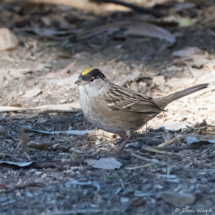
(91, 77)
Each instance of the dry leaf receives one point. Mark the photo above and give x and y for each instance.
(31, 93)
(62, 71)
(187, 52)
(175, 126)
(41, 146)
(176, 83)
(75, 132)
(131, 77)
(19, 164)
(145, 29)
(104, 163)
(46, 32)
(98, 30)
(200, 63)
(7, 39)
(158, 80)
(133, 28)
(178, 199)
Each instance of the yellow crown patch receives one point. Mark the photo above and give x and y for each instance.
(87, 71)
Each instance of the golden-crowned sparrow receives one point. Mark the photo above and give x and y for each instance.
(119, 110)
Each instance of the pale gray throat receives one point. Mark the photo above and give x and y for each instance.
(93, 89)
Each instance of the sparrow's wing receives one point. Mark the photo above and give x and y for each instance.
(121, 99)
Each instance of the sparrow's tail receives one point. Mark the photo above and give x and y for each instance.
(164, 101)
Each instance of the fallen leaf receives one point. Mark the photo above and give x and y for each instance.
(62, 71)
(187, 52)
(104, 163)
(4, 75)
(14, 103)
(98, 30)
(200, 63)
(178, 199)
(75, 132)
(158, 80)
(16, 73)
(132, 28)
(175, 126)
(18, 105)
(7, 39)
(45, 67)
(131, 77)
(41, 146)
(176, 83)
(145, 29)
(46, 32)
(46, 20)
(31, 93)
(20, 164)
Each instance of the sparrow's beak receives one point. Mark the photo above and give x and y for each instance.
(79, 82)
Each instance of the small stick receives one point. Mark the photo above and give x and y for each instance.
(149, 160)
(147, 148)
(138, 167)
(171, 141)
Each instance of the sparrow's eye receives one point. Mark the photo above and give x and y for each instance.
(92, 79)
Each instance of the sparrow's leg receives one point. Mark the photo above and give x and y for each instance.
(122, 139)
(129, 135)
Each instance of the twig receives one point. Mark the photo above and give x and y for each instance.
(138, 167)
(133, 7)
(54, 164)
(171, 141)
(29, 184)
(149, 160)
(148, 148)
(131, 177)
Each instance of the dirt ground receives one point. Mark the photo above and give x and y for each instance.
(51, 172)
